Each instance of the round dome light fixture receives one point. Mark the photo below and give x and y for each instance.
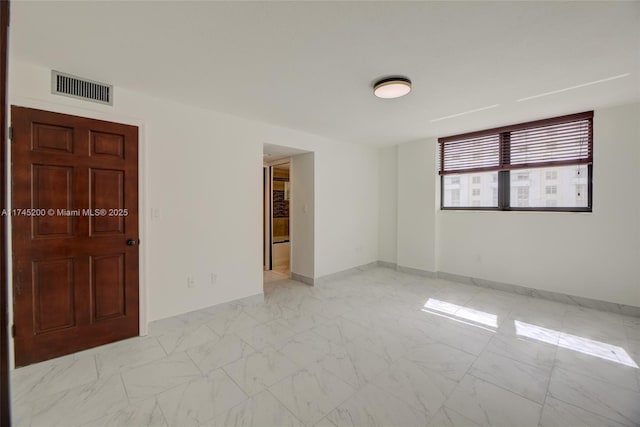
(392, 87)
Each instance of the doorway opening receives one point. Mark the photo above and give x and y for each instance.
(279, 262)
(288, 214)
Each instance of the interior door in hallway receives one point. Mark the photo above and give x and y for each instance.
(74, 233)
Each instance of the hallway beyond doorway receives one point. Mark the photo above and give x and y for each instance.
(275, 275)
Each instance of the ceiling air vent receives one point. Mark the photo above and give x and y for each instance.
(77, 87)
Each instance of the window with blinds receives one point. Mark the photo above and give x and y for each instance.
(512, 167)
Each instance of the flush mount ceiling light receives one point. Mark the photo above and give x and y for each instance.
(392, 87)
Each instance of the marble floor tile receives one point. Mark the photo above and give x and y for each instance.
(631, 321)
(446, 417)
(41, 379)
(190, 320)
(593, 316)
(442, 359)
(155, 377)
(227, 307)
(230, 321)
(495, 303)
(385, 305)
(523, 349)
(425, 390)
(375, 347)
(534, 322)
(326, 293)
(374, 407)
(456, 293)
(369, 317)
(354, 364)
(265, 312)
(80, 405)
(633, 348)
(530, 330)
(250, 301)
(598, 332)
(260, 370)
(306, 347)
(607, 400)
(261, 410)
(317, 305)
(218, 353)
(417, 326)
(386, 344)
(183, 339)
(311, 393)
(608, 364)
(632, 331)
(325, 422)
(21, 414)
(526, 380)
(271, 333)
(469, 338)
(543, 308)
(162, 326)
(304, 303)
(490, 405)
(300, 322)
(200, 400)
(556, 413)
(340, 330)
(146, 413)
(193, 319)
(115, 357)
(594, 324)
(634, 352)
(290, 298)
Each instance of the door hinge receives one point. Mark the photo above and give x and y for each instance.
(10, 132)
(13, 330)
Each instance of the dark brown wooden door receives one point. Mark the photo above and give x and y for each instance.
(74, 233)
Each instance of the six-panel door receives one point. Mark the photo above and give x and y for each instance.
(74, 210)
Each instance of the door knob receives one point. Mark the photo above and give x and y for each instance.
(131, 242)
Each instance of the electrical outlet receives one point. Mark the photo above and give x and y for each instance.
(214, 278)
(191, 282)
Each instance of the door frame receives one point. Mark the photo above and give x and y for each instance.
(267, 219)
(143, 208)
(5, 354)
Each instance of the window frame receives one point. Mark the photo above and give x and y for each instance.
(504, 180)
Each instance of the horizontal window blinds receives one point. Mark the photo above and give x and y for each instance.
(566, 140)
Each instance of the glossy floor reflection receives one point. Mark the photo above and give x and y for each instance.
(377, 348)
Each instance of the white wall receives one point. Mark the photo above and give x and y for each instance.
(203, 169)
(346, 185)
(594, 255)
(417, 205)
(301, 217)
(388, 207)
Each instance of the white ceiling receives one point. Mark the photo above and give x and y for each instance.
(310, 65)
